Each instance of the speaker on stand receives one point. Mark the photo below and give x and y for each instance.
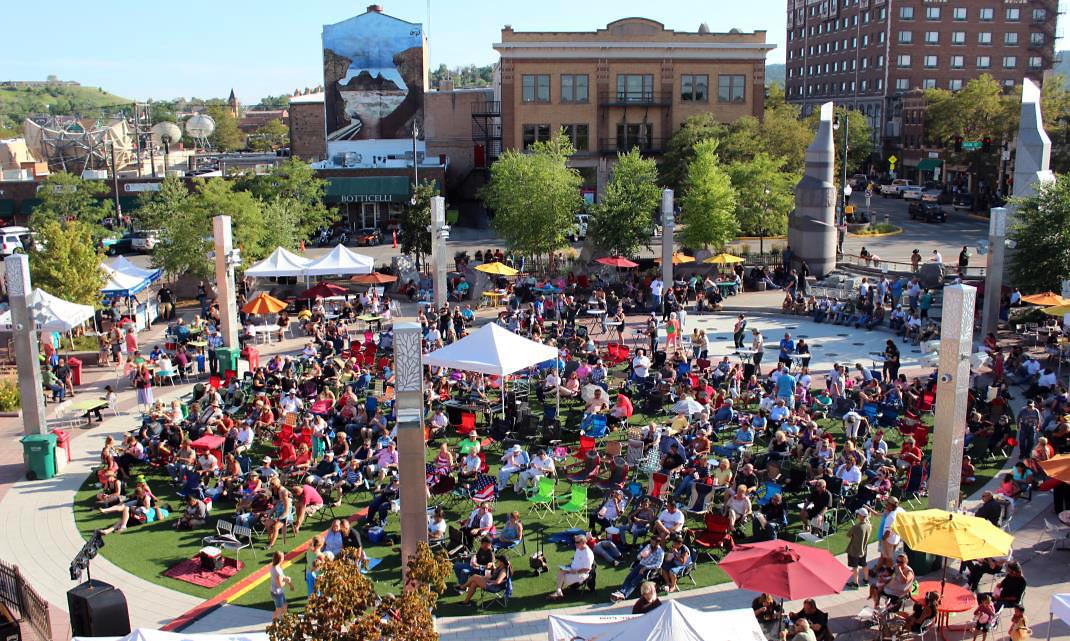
(98, 609)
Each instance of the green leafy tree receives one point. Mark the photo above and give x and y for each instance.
(413, 236)
(764, 195)
(534, 196)
(681, 147)
(709, 201)
(279, 222)
(280, 101)
(1041, 259)
(155, 207)
(296, 182)
(270, 136)
(68, 197)
(620, 224)
(227, 136)
(1055, 104)
(68, 265)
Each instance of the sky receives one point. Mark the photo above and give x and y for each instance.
(196, 48)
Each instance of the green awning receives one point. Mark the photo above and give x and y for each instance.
(367, 189)
(27, 205)
(7, 207)
(929, 164)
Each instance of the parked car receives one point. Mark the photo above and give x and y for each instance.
(368, 236)
(15, 240)
(859, 181)
(910, 192)
(962, 201)
(928, 212)
(578, 231)
(893, 188)
(145, 240)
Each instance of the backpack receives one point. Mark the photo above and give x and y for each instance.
(537, 562)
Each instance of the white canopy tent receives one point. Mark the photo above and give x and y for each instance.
(492, 349)
(670, 622)
(52, 314)
(340, 261)
(144, 634)
(125, 278)
(120, 263)
(1060, 609)
(281, 262)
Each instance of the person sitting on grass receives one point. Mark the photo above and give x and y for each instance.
(496, 581)
(195, 516)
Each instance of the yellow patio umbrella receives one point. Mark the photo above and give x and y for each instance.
(1046, 299)
(1058, 310)
(497, 269)
(724, 259)
(678, 259)
(951, 535)
(1057, 467)
(264, 304)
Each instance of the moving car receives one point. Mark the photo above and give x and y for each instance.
(115, 245)
(931, 195)
(892, 189)
(145, 240)
(910, 192)
(928, 212)
(14, 240)
(963, 201)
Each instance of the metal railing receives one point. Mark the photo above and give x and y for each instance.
(897, 267)
(23, 601)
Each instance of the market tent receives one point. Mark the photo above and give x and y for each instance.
(340, 261)
(492, 349)
(144, 634)
(281, 262)
(670, 622)
(121, 264)
(125, 278)
(52, 314)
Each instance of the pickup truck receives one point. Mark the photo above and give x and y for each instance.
(894, 188)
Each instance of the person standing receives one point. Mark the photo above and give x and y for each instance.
(887, 535)
(964, 260)
(279, 583)
(857, 542)
(757, 344)
(738, 330)
(657, 287)
(1028, 422)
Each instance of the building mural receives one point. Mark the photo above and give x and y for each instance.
(374, 76)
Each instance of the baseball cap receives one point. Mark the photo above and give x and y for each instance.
(861, 512)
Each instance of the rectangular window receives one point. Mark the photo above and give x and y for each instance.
(902, 84)
(880, 84)
(906, 13)
(902, 61)
(906, 37)
(958, 14)
(880, 37)
(865, 63)
(958, 62)
(930, 62)
(932, 37)
(534, 134)
(732, 88)
(536, 87)
(862, 84)
(929, 83)
(1040, 15)
(958, 37)
(880, 61)
(1035, 62)
(1036, 38)
(984, 37)
(1010, 38)
(631, 135)
(1008, 84)
(987, 14)
(578, 135)
(865, 40)
(984, 62)
(574, 88)
(932, 13)
(1014, 14)
(635, 87)
(954, 85)
(1010, 62)
(695, 88)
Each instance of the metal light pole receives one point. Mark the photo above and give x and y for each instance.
(997, 240)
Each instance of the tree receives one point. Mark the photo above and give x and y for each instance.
(270, 136)
(296, 182)
(681, 147)
(279, 226)
(68, 197)
(413, 236)
(68, 265)
(227, 136)
(345, 606)
(280, 101)
(1055, 103)
(764, 195)
(621, 222)
(534, 196)
(709, 202)
(1041, 259)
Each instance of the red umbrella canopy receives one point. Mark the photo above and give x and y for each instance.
(617, 261)
(323, 289)
(785, 570)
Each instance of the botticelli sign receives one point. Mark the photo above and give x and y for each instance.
(366, 198)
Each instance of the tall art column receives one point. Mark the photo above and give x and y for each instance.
(440, 233)
(225, 259)
(409, 377)
(668, 225)
(812, 226)
(27, 359)
(997, 237)
(956, 343)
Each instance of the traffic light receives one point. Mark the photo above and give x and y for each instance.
(986, 144)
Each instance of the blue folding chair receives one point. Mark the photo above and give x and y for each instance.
(594, 426)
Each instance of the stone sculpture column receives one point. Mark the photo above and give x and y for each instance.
(668, 225)
(1032, 157)
(440, 233)
(27, 358)
(409, 378)
(225, 260)
(812, 226)
(997, 236)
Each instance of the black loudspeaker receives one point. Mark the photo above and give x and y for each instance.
(98, 609)
(9, 625)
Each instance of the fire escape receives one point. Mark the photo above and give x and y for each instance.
(486, 132)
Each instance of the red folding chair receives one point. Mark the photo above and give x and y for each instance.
(587, 444)
(468, 423)
(658, 484)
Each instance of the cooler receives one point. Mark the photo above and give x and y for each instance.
(76, 370)
(211, 559)
(63, 448)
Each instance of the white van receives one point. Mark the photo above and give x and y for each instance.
(14, 240)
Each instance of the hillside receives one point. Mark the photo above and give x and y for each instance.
(18, 102)
(774, 75)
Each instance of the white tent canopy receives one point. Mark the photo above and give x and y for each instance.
(121, 264)
(338, 262)
(492, 349)
(670, 622)
(144, 634)
(125, 278)
(52, 314)
(281, 262)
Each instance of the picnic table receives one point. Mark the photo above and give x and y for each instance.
(493, 297)
(371, 319)
(954, 598)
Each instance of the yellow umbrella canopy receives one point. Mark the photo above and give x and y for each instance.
(956, 536)
(724, 259)
(1057, 310)
(264, 304)
(1045, 298)
(497, 269)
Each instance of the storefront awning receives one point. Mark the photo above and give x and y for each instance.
(929, 164)
(7, 207)
(27, 205)
(367, 189)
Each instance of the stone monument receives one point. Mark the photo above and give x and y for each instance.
(668, 225)
(1032, 156)
(440, 233)
(409, 376)
(812, 226)
(24, 332)
(225, 260)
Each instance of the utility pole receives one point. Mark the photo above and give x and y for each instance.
(115, 188)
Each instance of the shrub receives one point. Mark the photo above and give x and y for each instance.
(10, 400)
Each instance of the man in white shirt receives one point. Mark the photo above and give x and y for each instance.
(888, 538)
(245, 437)
(290, 403)
(640, 366)
(851, 421)
(779, 411)
(670, 520)
(849, 473)
(513, 461)
(577, 571)
(439, 421)
(541, 465)
(656, 289)
(937, 258)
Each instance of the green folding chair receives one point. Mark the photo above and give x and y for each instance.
(543, 500)
(575, 511)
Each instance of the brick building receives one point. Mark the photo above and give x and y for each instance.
(631, 84)
(870, 55)
(308, 131)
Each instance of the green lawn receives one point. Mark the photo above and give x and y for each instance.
(149, 550)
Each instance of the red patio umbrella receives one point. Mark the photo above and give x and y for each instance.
(616, 261)
(785, 570)
(323, 289)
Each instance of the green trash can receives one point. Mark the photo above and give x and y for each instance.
(39, 450)
(922, 562)
(226, 359)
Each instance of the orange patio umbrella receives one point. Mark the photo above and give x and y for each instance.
(264, 304)
(1047, 299)
(374, 278)
(1057, 467)
(678, 259)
